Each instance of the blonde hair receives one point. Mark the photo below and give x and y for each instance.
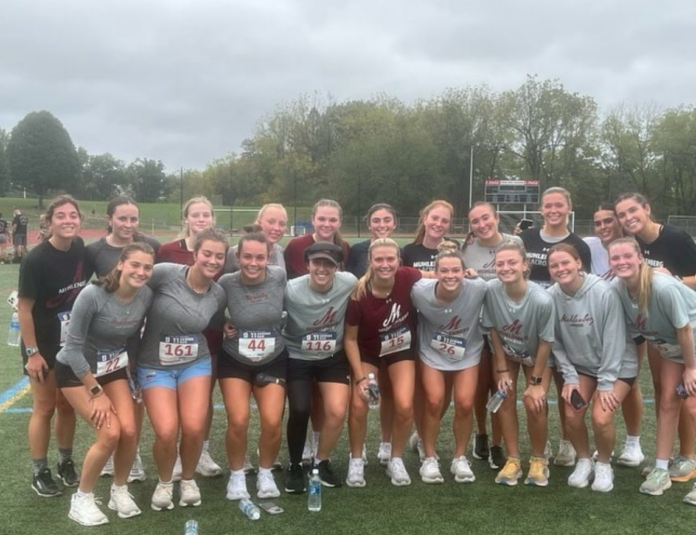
(366, 279)
(510, 245)
(645, 275)
(448, 249)
(329, 203)
(265, 207)
(420, 231)
(186, 232)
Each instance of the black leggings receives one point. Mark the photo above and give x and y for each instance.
(299, 404)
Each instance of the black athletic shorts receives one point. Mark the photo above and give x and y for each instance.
(19, 239)
(628, 380)
(333, 369)
(228, 367)
(408, 354)
(47, 352)
(65, 378)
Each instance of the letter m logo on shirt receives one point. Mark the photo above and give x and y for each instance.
(514, 328)
(394, 315)
(329, 318)
(454, 324)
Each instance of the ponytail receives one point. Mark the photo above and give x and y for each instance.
(361, 289)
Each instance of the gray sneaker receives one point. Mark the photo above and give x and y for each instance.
(656, 483)
(682, 469)
(691, 497)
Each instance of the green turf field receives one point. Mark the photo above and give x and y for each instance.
(481, 507)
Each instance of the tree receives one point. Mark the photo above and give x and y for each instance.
(148, 180)
(102, 176)
(42, 156)
(4, 169)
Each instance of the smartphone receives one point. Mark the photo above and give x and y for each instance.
(271, 508)
(577, 401)
(526, 223)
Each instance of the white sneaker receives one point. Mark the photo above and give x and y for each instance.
(122, 502)
(307, 452)
(176, 473)
(277, 465)
(430, 471)
(364, 454)
(356, 473)
(137, 472)
(595, 455)
(603, 478)
(84, 510)
(162, 498)
(190, 494)
(266, 486)
(206, 466)
(580, 477)
(461, 469)
(236, 487)
(397, 472)
(566, 454)
(108, 469)
(421, 450)
(632, 455)
(548, 451)
(384, 453)
(247, 466)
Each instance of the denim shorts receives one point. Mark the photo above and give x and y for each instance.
(155, 377)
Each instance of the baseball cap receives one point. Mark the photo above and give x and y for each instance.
(328, 251)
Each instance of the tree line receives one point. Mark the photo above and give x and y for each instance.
(383, 149)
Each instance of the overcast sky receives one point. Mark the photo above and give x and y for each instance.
(186, 81)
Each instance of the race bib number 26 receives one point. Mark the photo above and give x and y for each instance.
(175, 350)
(450, 346)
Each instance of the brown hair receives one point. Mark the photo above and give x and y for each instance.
(380, 206)
(114, 203)
(59, 201)
(564, 248)
(511, 245)
(448, 249)
(112, 280)
(251, 233)
(366, 279)
(557, 189)
(338, 239)
(185, 233)
(420, 231)
(470, 235)
(634, 196)
(210, 234)
(645, 275)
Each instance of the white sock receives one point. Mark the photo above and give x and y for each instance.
(114, 487)
(81, 494)
(266, 471)
(237, 472)
(662, 463)
(206, 443)
(633, 439)
(315, 436)
(166, 483)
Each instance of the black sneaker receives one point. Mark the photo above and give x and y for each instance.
(67, 473)
(327, 475)
(481, 447)
(295, 480)
(44, 485)
(497, 458)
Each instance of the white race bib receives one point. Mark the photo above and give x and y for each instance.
(110, 361)
(451, 347)
(180, 349)
(319, 343)
(522, 358)
(64, 319)
(256, 345)
(395, 341)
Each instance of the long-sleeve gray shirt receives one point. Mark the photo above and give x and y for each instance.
(100, 327)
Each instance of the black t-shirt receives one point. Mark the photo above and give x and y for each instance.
(3, 226)
(673, 249)
(53, 279)
(20, 223)
(538, 250)
(357, 259)
(101, 257)
(417, 255)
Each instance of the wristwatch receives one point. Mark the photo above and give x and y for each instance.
(29, 351)
(534, 380)
(96, 390)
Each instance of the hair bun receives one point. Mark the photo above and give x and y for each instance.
(447, 246)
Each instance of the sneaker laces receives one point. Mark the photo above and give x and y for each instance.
(462, 463)
(265, 480)
(397, 468)
(430, 464)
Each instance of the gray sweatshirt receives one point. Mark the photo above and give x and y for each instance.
(173, 332)
(591, 334)
(482, 258)
(256, 311)
(100, 327)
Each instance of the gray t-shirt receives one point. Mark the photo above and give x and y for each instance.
(102, 257)
(520, 325)
(449, 336)
(314, 327)
(276, 258)
(256, 311)
(591, 334)
(482, 258)
(173, 332)
(672, 306)
(100, 327)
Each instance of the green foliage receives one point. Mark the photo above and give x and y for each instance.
(147, 179)
(103, 176)
(4, 169)
(42, 156)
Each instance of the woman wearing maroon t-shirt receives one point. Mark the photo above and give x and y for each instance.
(381, 327)
(198, 215)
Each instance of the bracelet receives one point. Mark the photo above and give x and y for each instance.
(503, 371)
(363, 378)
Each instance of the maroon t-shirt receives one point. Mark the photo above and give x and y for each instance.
(388, 325)
(176, 252)
(294, 255)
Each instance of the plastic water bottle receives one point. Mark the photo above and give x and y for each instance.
(314, 499)
(372, 392)
(681, 391)
(191, 528)
(247, 507)
(496, 400)
(14, 335)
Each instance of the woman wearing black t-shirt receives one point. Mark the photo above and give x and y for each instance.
(555, 208)
(673, 251)
(50, 279)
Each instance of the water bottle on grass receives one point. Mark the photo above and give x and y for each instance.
(314, 491)
(247, 507)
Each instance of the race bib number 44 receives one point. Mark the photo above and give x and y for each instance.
(64, 319)
(175, 350)
(320, 343)
(256, 345)
(395, 341)
(450, 346)
(110, 361)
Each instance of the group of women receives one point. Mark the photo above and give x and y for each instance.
(435, 321)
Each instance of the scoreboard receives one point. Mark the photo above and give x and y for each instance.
(512, 191)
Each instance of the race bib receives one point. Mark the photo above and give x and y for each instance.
(667, 350)
(64, 319)
(256, 345)
(320, 342)
(110, 361)
(451, 347)
(395, 341)
(175, 350)
(523, 358)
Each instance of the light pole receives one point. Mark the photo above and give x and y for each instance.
(471, 175)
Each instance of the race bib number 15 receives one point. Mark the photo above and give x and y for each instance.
(395, 341)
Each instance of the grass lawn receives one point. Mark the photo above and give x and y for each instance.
(481, 507)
